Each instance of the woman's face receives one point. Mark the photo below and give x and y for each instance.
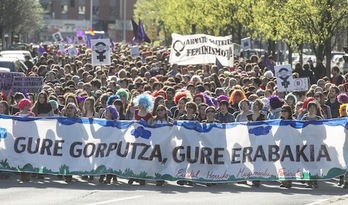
(118, 107)
(189, 109)
(71, 100)
(108, 115)
(290, 101)
(244, 106)
(181, 104)
(141, 107)
(2, 109)
(237, 97)
(161, 111)
(285, 114)
(256, 106)
(88, 104)
(161, 102)
(312, 109)
(202, 109)
(198, 100)
(42, 99)
(70, 111)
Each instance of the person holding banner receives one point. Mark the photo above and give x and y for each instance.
(236, 96)
(24, 106)
(244, 107)
(314, 113)
(145, 103)
(88, 109)
(4, 108)
(112, 114)
(256, 116)
(286, 114)
(71, 111)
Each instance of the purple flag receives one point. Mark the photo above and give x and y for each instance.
(218, 64)
(135, 32)
(88, 41)
(135, 29)
(69, 40)
(142, 34)
(80, 33)
(112, 45)
(41, 50)
(267, 63)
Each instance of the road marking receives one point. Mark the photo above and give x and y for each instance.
(329, 200)
(115, 200)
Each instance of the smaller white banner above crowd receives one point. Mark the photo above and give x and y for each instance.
(201, 49)
(100, 52)
(285, 81)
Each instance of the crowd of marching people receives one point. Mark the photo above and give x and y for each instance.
(147, 87)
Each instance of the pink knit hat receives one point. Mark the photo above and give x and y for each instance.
(24, 102)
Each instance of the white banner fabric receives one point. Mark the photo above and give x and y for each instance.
(200, 49)
(270, 150)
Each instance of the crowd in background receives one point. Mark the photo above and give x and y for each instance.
(147, 87)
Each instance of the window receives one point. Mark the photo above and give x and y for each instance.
(95, 10)
(72, 3)
(64, 9)
(82, 9)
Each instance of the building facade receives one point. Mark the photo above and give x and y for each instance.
(111, 16)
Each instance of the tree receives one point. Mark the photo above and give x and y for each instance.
(19, 17)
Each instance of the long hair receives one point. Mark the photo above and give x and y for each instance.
(39, 108)
(342, 110)
(121, 112)
(235, 93)
(288, 109)
(156, 104)
(92, 102)
(5, 104)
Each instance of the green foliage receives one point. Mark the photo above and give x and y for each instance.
(64, 169)
(4, 164)
(27, 167)
(100, 170)
(295, 22)
(20, 15)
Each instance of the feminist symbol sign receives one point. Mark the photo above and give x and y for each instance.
(101, 51)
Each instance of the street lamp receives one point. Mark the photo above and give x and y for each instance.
(91, 15)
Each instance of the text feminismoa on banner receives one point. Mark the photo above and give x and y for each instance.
(270, 150)
(201, 49)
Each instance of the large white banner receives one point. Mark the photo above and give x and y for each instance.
(271, 150)
(100, 52)
(200, 49)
